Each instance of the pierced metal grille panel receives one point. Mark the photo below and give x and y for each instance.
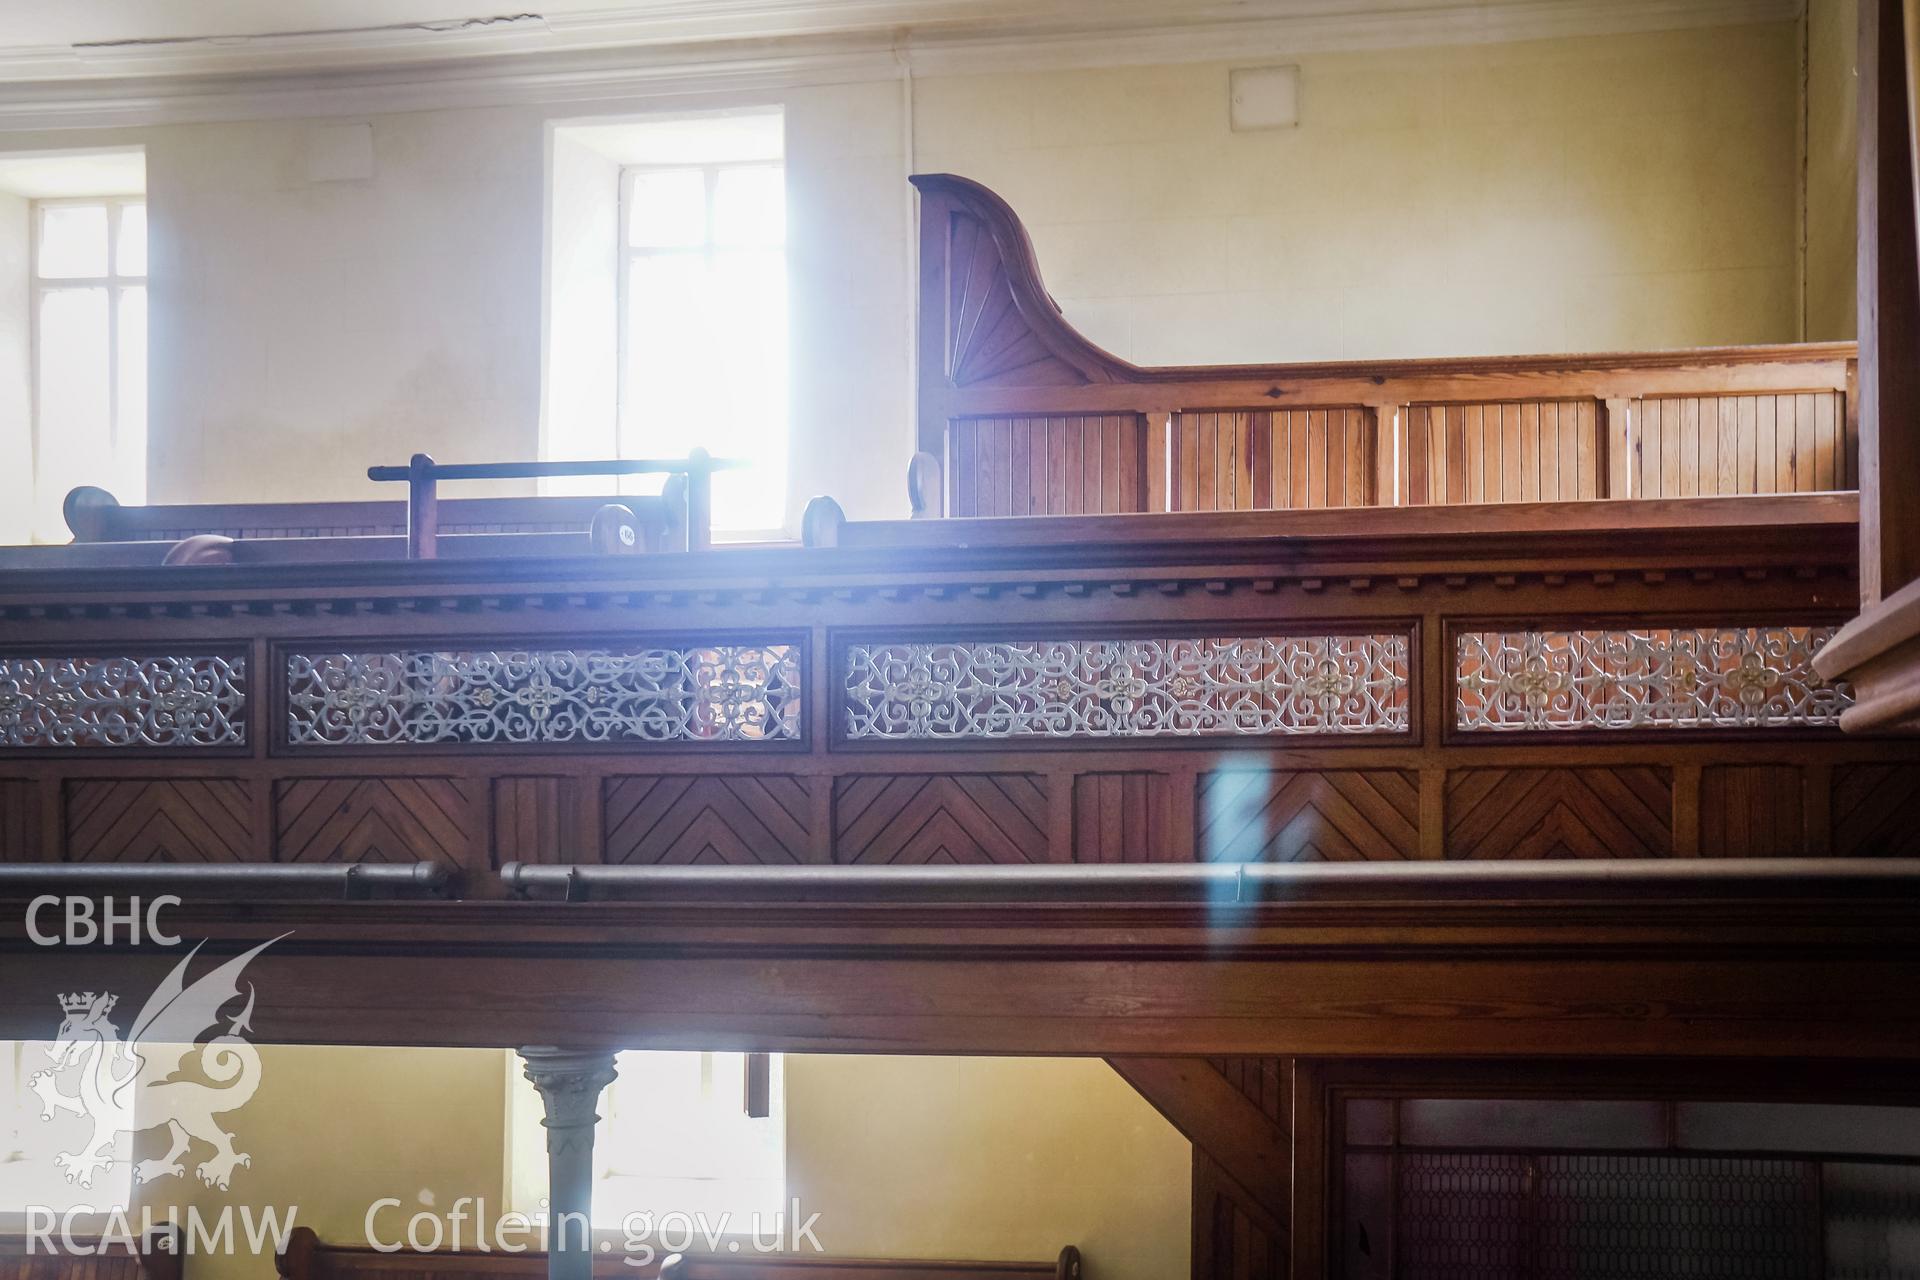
(1463, 1217)
(1251, 686)
(1701, 678)
(727, 693)
(1601, 1217)
(195, 700)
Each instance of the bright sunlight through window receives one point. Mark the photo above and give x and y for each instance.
(703, 300)
(30, 1175)
(675, 1137)
(90, 353)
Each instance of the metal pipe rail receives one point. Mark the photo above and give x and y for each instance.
(261, 882)
(1222, 884)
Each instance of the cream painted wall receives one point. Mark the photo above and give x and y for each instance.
(1833, 99)
(901, 1157)
(331, 1130)
(1633, 191)
(305, 329)
(988, 1158)
(1583, 194)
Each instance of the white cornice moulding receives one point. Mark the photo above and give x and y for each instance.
(604, 68)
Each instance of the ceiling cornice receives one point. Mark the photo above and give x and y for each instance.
(634, 58)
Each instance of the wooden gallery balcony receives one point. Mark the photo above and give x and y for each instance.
(1402, 615)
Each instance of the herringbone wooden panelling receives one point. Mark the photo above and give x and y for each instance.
(1620, 812)
(909, 818)
(1876, 810)
(19, 820)
(1122, 817)
(1233, 1239)
(538, 820)
(373, 820)
(1752, 811)
(159, 820)
(731, 819)
(1329, 815)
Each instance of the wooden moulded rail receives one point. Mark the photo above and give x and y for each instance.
(307, 1258)
(1019, 414)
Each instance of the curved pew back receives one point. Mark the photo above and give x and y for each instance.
(1026, 416)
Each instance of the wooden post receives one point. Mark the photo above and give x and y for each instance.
(1889, 267)
(1616, 452)
(423, 509)
(1389, 430)
(699, 500)
(570, 1082)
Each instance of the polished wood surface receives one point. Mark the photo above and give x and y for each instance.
(1880, 650)
(1427, 793)
(307, 1258)
(1028, 417)
(1783, 958)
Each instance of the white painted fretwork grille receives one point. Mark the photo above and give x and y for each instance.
(169, 701)
(1254, 685)
(725, 693)
(1697, 678)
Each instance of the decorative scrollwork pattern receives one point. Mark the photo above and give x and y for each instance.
(166, 701)
(1242, 686)
(728, 693)
(1701, 678)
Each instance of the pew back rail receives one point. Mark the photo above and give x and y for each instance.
(1023, 415)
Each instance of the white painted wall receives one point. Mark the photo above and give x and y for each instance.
(1604, 192)
(582, 384)
(16, 386)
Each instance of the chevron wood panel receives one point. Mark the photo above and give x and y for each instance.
(1266, 1082)
(1122, 817)
(1876, 810)
(1752, 811)
(919, 818)
(742, 819)
(1332, 815)
(1620, 812)
(19, 820)
(373, 820)
(538, 820)
(159, 820)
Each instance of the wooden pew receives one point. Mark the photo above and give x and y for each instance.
(306, 1258)
(1023, 415)
(804, 1267)
(96, 516)
(155, 1256)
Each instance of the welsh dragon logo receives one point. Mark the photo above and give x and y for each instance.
(129, 1086)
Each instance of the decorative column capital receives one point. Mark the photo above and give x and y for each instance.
(570, 1082)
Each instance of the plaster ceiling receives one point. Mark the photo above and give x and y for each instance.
(75, 39)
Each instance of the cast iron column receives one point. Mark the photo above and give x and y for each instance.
(569, 1082)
